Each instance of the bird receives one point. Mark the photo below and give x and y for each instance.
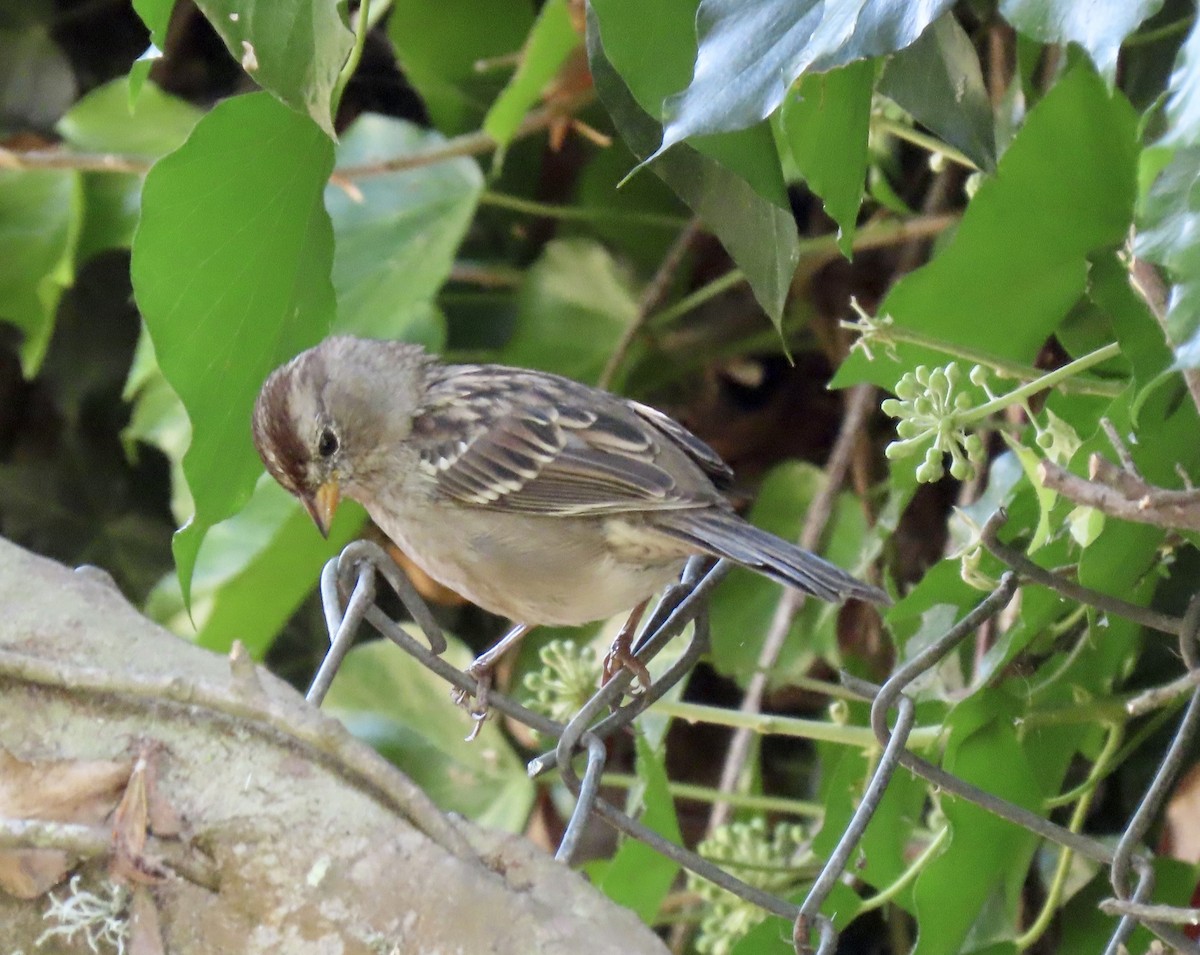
(537, 497)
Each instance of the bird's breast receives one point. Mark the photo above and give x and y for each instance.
(558, 571)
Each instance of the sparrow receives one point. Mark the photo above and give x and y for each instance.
(538, 498)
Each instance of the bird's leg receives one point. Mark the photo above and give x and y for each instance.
(481, 670)
(620, 654)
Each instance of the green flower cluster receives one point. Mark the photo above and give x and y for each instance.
(934, 414)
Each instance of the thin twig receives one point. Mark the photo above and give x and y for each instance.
(652, 297)
(859, 403)
(469, 144)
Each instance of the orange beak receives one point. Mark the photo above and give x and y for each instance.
(322, 505)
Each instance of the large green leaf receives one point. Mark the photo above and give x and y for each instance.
(292, 48)
(751, 52)
(105, 121)
(825, 120)
(1100, 28)
(397, 234)
(1019, 259)
(439, 44)
(939, 82)
(388, 699)
(759, 235)
(253, 571)
(231, 267)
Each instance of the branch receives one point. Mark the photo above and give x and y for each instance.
(1122, 494)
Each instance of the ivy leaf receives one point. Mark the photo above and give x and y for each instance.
(825, 121)
(760, 236)
(439, 44)
(1064, 189)
(1099, 28)
(393, 703)
(751, 52)
(1170, 220)
(937, 80)
(41, 212)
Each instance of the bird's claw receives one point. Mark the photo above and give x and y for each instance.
(478, 711)
(620, 657)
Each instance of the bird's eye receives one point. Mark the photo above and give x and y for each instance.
(327, 445)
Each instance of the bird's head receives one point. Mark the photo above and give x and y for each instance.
(324, 422)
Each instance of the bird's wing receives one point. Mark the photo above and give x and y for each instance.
(540, 444)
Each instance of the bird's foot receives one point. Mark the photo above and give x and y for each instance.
(481, 670)
(620, 654)
(621, 657)
(479, 707)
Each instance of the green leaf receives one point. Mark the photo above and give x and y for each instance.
(573, 306)
(638, 877)
(291, 48)
(253, 571)
(389, 700)
(397, 233)
(1098, 28)
(750, 53)
(1139, 334)
(983, 866)
(231, 268)
(550, 42)
(652, 47)
(938, 81)
(438, 44)
(1046, 498)
(156, 14)
(41, 212)
(759, 235)
(1019, 259)
(1169, 218)
(826, 120)
(105, 121)
(883, 853)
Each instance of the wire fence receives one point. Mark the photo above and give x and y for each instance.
(348, 590)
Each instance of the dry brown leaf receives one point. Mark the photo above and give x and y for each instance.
(135, 818)
(145, 933)
(74, 791)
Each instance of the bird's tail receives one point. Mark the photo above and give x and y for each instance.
(724, 534)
